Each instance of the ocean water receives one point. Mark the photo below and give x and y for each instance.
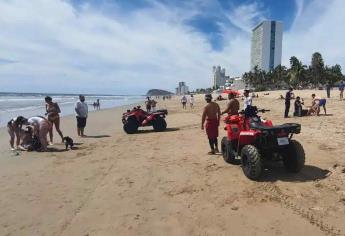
(25, 104)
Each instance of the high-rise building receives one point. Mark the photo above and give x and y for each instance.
(182, 89)
(266, 50)
(219, 77)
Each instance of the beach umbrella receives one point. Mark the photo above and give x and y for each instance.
(230, 91)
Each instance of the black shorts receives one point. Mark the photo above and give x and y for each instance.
(81, 122)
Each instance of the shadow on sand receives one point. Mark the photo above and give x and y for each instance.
(97, 136)
(308, 173)
(152, 131)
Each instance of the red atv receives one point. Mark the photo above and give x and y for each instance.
(252, 141)
(133, 119)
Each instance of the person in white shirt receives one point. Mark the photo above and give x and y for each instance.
(247, 99)
(41, 127)
(191, 101)
(81, 111)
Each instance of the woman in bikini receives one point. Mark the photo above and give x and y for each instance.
(53, 110)
(14, 126)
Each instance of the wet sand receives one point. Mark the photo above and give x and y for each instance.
(165, 184)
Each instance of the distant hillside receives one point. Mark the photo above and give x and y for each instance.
(158, 92)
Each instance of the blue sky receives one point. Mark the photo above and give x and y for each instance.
(130, 46)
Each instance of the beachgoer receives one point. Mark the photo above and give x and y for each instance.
(41, 127)
(287, 102)
(98, 105)
(81, 111)
(52, 113)
(341, 89)
(184, 102)
(233, 105)
(328, 88)
(14, 126)
(191, 101)
(247, 99)
(148, 104)
(211, 115)
(316, 104)
(299, 111)
(153, 105)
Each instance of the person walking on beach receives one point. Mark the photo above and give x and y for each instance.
(14, 127)
(247, 99)
(52, 113)
(191, 101)
(211, 115)
(81, 111)
(341, 89)
(184, 101)
(148, 104)
(287, 102)
(41, 127)
(233, 105)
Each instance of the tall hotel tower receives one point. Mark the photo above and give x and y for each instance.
(266, 50)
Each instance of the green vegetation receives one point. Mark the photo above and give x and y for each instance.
(297, 76)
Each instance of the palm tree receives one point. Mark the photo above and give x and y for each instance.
(317, 69)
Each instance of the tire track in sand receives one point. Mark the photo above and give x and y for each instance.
(288, 203)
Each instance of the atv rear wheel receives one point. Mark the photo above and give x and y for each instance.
(159, 124)
(131, 125)
(293, 157)
(251, 162)
(227, 152)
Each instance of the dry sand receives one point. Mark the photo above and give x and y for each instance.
(164, 183)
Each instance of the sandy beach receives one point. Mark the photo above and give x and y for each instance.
(165, 183)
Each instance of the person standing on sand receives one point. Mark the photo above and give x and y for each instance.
(233, 105)
(81, 111)
(191, 101)
(52, 113)
(148, 104)
(211, 115)
(153, 105)
(341, 89)
(184, 101)
(248, 100)
(287, 102)
(328, 89)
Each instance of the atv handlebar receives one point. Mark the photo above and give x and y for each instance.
(263, 110)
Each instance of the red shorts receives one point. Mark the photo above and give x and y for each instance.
(212, 128)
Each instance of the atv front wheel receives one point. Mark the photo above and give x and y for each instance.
(293, 157)
(227, 152)
(251, 162)
(159, 124)
(131, 126)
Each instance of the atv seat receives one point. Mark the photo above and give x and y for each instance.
(287, 128)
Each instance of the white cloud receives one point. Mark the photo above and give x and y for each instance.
(319, 27)
(246, 16)
(56, 48)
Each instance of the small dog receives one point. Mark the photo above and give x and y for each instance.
(68, 142)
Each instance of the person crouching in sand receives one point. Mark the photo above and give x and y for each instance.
(211, 115)
(14, 126)
(41, 127)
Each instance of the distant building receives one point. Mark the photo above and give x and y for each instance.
(219, 77)
(182, 89)
(266, 49)
(236, 83)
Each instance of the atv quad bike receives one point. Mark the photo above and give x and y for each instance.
(133, 119)
(252, 141)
